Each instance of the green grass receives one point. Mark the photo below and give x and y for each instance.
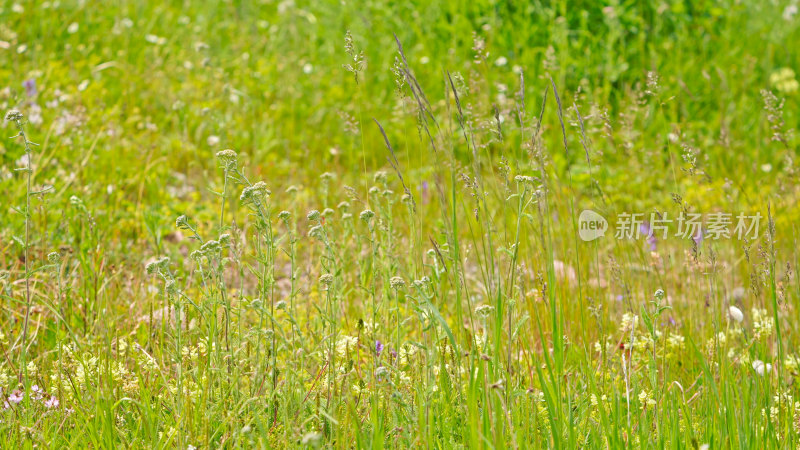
(390, 256)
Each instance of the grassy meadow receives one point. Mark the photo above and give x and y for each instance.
(360, 224)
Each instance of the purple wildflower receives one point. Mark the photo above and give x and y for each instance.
(698, 237)
(645, 229)
(378, 348)
(16, 397)
(36, 392)
(30, 87)
(52, 402)
(652, 241)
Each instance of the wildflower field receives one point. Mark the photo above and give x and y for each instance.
(428, 224)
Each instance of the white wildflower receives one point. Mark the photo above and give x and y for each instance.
(761, 368)
(736, 314)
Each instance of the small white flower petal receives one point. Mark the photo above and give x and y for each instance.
(736, 314)
(761, 368)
